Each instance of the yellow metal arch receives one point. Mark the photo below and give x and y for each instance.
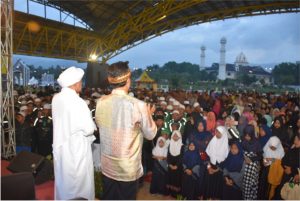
(58, 40)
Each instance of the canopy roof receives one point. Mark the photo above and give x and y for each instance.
(118, 25)
(145, 78)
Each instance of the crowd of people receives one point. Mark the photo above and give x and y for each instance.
(209, 145)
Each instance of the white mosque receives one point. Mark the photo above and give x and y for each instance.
(230, 71)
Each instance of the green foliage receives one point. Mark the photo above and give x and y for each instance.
(246, 79)
(287, 74)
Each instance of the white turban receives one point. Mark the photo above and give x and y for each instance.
(70, 76)
(47, 106)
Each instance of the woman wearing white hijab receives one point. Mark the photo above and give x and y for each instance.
(217, 150)
(160, 151)
(272, 170)
(176, 143)
(273, 149)
(160, 167)
(175, 163)
(218, 147)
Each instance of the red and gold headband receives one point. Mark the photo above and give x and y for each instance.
(119, 79)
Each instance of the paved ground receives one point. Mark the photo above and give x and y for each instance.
(143, 194)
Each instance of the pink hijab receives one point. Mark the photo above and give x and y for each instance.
(211, 122)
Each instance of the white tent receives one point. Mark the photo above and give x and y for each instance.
(33, 81)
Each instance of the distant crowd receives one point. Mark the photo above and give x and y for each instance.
(209, 145)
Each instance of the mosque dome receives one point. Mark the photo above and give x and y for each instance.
(241, 59)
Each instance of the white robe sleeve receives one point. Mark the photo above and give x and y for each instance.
(81, 120)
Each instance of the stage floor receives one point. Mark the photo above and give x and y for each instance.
(45, 191)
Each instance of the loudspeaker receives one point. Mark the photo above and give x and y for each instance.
(19, 186)
(96, 75)
(40, 167)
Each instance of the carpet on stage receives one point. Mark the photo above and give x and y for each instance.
(43, 191)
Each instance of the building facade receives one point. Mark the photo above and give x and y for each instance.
(21, 73)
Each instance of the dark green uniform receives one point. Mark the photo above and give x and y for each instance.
(44, 135)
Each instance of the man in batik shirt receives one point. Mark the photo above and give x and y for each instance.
(123, 121)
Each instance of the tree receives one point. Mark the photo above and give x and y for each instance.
(286, 74)
(246, 79)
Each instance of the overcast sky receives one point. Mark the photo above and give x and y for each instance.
(268, 39)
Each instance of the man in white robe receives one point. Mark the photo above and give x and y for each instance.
(73, 129)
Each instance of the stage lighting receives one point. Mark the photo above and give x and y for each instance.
(93, 57)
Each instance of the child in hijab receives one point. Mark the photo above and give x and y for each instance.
(217, 150)
(243, 122)
(291, 163)
(190, 125)
(202, 138)
(272, 171)
(280, 131)
(160, 167)
(252, 154)
(264, 135)
(174, 160)
(233, 172)
(211, 122)
(191, 165)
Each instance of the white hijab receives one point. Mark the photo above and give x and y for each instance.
(160, 151)
(218, 149)
(175, 146)
(269, 153)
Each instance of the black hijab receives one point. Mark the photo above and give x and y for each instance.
(253, 144)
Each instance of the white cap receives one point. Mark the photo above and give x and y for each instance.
(22, 108)
(37, 100)
(175, 103)
(33, 96)
(30, 101)
(22, 113)
(70, 76)
(169, 107)
(21, 97)
(131, 94)
(186, 102)
(181, 106)
(175, 112)
(196, 104)
(163, 103)
(47, 106)
(96, 94)
(161, 98)
(172, 99)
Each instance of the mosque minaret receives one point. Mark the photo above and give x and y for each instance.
(222, 64)
(202, 61)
